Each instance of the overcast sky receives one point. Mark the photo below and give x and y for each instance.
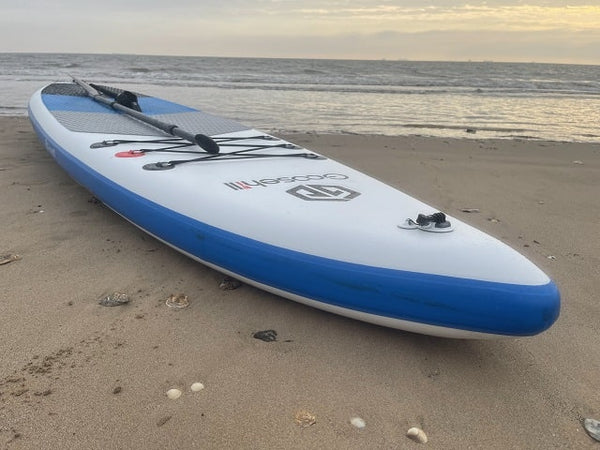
(499, 30)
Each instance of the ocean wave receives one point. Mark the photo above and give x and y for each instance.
(12, 110)
(139, 70)
(249, 84)
(471, 128)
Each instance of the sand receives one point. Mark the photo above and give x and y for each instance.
(75, 374)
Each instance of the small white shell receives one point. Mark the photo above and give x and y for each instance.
(417, 435)
(358, 422)
(173, 394)
(197, 387)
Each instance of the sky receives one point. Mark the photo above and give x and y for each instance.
(561, 31)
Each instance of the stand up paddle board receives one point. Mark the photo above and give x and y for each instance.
(288, 220)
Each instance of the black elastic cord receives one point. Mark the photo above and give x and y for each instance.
(178, 144)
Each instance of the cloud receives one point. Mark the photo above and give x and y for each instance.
(415, 29)
(452, 17)
(525, 46)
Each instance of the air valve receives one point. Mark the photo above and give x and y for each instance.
(435, 223)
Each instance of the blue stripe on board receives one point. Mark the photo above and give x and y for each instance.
(487, 307)
(74, 103)
(149, 105)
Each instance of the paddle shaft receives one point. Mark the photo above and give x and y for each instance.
(203, 141)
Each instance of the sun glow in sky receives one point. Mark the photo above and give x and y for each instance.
(501, 30)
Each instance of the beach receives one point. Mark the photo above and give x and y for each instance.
(76, 374)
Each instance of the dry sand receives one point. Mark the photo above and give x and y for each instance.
(75, 374)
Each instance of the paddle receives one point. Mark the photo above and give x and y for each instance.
(201, 140)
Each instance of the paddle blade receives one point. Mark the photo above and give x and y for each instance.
(206, 143)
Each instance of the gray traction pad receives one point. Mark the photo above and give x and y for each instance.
(193, 122)
(196, 122)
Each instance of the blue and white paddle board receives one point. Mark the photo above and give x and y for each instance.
(289, 221)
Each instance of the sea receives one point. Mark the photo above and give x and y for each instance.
(481, 100)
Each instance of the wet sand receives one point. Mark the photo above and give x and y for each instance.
(75, 374)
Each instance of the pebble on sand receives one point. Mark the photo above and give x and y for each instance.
(358, 422)
(174, 394)
(197, 387)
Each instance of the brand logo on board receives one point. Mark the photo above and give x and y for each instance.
(244, 185)
(322, 192)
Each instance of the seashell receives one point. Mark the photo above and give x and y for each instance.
(8, 258)
(358, 422)
(266, 335)
(178, 301)
(229, 284)
(174, 394)
(196, 387)
(163, 420)
(592, 427)
(470, 210)
(417, 435)
(305, 419)
(114, 299)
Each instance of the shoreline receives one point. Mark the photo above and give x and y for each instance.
(467, 135)
(75, 374)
